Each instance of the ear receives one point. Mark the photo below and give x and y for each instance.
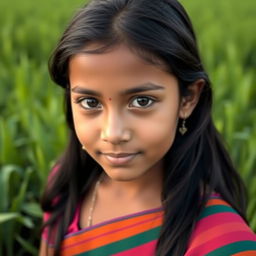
(189, 102)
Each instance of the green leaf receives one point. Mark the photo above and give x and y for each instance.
(4, 217)
(17, 202)
(32, 209)
(26, 221)
(6, 181)
(27, 246)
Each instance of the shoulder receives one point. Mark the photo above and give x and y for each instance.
(49, 230)
(49, 237)
(221, 231)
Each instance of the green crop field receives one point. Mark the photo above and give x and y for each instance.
(32, 130)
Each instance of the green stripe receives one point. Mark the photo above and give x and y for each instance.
(230, 249)
(125, 244)
(210, 210)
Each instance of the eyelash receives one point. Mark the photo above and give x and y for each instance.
(79, 101)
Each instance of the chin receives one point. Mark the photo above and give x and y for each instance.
(122, 175)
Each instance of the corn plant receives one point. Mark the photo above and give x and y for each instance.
(32, 129)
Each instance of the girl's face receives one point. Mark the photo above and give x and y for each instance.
(125, 111)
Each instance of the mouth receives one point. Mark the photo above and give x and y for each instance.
(119, 158)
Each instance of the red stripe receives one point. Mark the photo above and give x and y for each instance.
(216, 231)
(219, 242)
(215, 220)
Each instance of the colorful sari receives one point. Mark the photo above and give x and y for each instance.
(134, 234)
(220, 231)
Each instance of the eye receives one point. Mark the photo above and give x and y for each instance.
(142, 102)
(89, 103)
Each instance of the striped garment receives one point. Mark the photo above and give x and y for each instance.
(220, 231)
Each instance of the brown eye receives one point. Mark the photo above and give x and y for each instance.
(142, 102)
(90, 103)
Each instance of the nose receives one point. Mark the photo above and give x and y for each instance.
(114, 130)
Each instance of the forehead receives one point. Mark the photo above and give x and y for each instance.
(120, 66)
(126, 58)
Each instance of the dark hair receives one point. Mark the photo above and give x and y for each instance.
(195, 165)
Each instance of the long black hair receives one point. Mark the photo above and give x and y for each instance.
(195, 165)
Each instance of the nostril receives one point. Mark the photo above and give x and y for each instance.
(116, 137)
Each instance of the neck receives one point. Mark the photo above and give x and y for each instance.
(146, 188)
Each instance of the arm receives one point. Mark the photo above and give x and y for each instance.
(221, 231)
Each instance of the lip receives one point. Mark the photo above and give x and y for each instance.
(119, 158)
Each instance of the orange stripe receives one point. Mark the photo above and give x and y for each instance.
(216, 202)
(215, 232)
(110, 238)
(248, 253)
(111, 226)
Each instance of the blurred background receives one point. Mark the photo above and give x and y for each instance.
(32, 130)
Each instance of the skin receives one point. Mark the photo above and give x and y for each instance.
(141, 123)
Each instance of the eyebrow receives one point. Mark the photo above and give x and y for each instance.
(140, 88)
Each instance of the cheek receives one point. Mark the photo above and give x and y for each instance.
(85, 130)
(160, 130)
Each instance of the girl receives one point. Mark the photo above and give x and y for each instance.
(145, 171)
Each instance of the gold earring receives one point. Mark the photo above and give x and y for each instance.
(83, 147)
(183, 129)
